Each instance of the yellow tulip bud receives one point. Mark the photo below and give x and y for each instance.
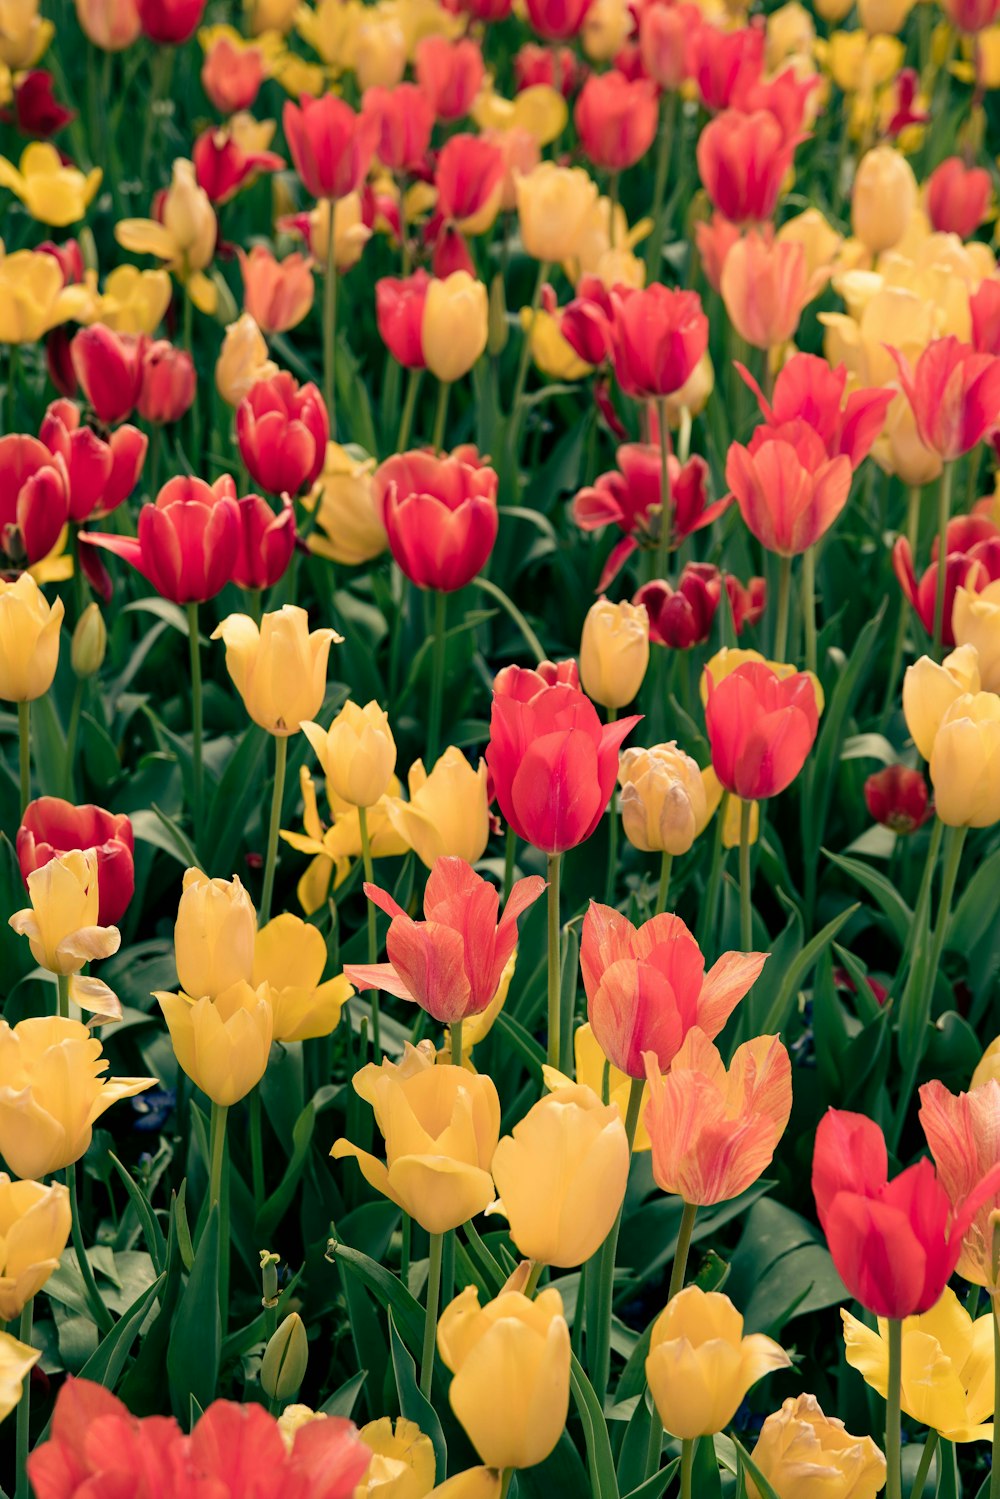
(965, 762)
(221, 1043)
(24, 35)
(606, 28)
(379, 54)
(441, 1127)
(403, 1463)
(16, 1362)
(357, 753)
(884, 15)
(270, 15)
(242, 361)
(53, 1093)
(803, 1453)
(90, 641)
(289, 958)
(791, 33)
(214, 934)
(511, 1362)
(52, 192)
(29, 630)
(614, 652)
(278, 667)
(663, 799)
(61, 922)
(553, 207)
(448, 811)
(283, 1367)
(976, 622)
(883, 199)
(988, 1067)
(929, 691)
(350, 232)
(35, 1224)
(349, 526)
(189, 218)
(562, 1175)
(455, 325)
(700, 1366)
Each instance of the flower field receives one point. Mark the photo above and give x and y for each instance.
(499, 749)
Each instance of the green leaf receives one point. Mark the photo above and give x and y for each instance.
(600, 1459)
(196, 1337)
(343, 1401)
(412, 1403)
(171, 614)
(237, 791)
(386, 1288)
(274, 1209)
(155, 827)
(105, 1366)
(889, 900)
(657, 1484)
(975, 912)
(779, 1013)
(155, 1240)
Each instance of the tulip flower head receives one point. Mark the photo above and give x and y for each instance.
(357, 753)
(278, 294)
(440, 515)
(168, 384)
(957, 197)
(658, 337)
(29, 628)
(289, 956)
(214, 934)
(331, 145)
(282, 430)
(662, 799)
(954, 394)
(743, 160)
(51, 826)
(35, 1225)
(965, 762)
(960, 1130)
(278, 667)
(183, 237)
(448, 810)
(616, 119)
(799, 1447)
(399, 309)
(188, 539)
(614, 652)
(761, 727)
(52, 192)
(266, 543)
(222, 1043)
(898, 798)
(931, 688)
(454, 326)
(101, 472)
(61, 924)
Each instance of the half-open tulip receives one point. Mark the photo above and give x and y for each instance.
(765, 283)
(282, 429)
(222, 1043)
(51, 826)
(29, 630)
(761, 727)
(965, 762)
(62, 922)
(213, 935)
(399, 310)
(743, 160)
(357, 753)
(402, 1463)
(614, 652)
(170, 22)
(954, 393)
(455, 325)
(101, 471)
(331, 145)
(267, 541)
(35, 1223)
(188, 539)
(930, 688)
(662, 799)
(616, 119)
(658, 337)
(448, 810)
(449, 73)
(975, 621)
(957, 197)
(440, 515)
(278, 667)
(34, 499)
(883, 198)
(787, 487)
(278, 294)
(289, 956)
(168, 383)
(405, 120)
(553, 206)
(961, 1131)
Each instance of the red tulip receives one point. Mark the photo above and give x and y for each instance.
(51, 826)
(954, 394)
(616, 119)
(895, 1243)
(961, 1131)
(761, 728)
(469, 181)
(405, 120)
(282, 430)
(647, 986)
(808, 390)
(556, 67)
(907, 111)
(70, 258)
(743, 160)
(984, 305)
(399, 311)
(788, 490)
(450, 963)
(658, 336)
(440, 515)
(450, 74)
(897, 797)
(785, 97)
(957, 197)
(557, 20)
(34, 499)
(972, 559)
(724, 62)
(108, 366)
(188, 540)
(170, 21)
(665, 32)
(101, 472)
(35, 109)
(586, 321)
(266, 542)
(168, 383)
(331, 146)
(524, 681)
(682, 616)
(971, 16)
(231, 76)
(714, 239)
(222, 165)
(747, 602)
(554, 765)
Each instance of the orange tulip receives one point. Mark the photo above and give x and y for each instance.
(962, 1131)
(277, 293)
(765, 284)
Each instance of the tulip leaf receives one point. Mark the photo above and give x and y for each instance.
(276, 1205)
(975, 912)
(343, 1401)
(195, 1344)
(386, 1288)
(237, 790)
(747, 1465)
(171, 614)
(657, 1484)
(883, 891)
(778, 1016)
(413, 1404)
(155, 827)
(706, 1480)
(152, 1232)
(600, 1459)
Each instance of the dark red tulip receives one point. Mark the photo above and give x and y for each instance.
(51, 826)
(102, 472)
(34, 499)
(108, 366)
(898, 798)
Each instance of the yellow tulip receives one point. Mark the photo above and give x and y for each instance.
(455, 325)
(133, 301)
(289, 958)
(16, 1362)
(350, 232)
(553, 205)
(700, 1366)
(606, 28)
(379, 53)
(403, 1462)
(553, 356)
(816, 235)
(539, 110)
(448, 811)
(806, 1455)
(29, 639)
(663, 802)
(859, 64)
(242, 361)
(33, 298)
(692, 398)
(834, 11)
(35, 1222)
(976, 622)
(791, 33)
(929, 690)
(270, 15)
(614, 652)
(947, 1376)
(888, 16)
(51, 192)
(24, 35)
(594, 1071)
(608, 256)
(278, 667)
(357, 753)
(900, 451)
(511, 1361)
(183, 238)
(441, 1126)
(883, 198)
(222, 1043)
(561, 1176)
(214, 935)
(965, 762)
(333, 848)
(349, 526)
(61, 922)
(53, 1092)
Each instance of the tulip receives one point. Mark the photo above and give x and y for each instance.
(229, 159)
(214, 935)
(883, 198)
(788, 490)
(170, 22)
(553, 356)
(16, 1363)
(761, 727)
(441, 1126)
(614, 652)
(451, 963)
(405, 119)
(700, 1366)
(349, 527)
(89, 643)
(553, 205)
(266, 542)
(804, 1454)
(277, 294)
(187, 543)
(454, 325)
(511, 1365)
(133, 301)
(929, 690)
(351, 232)
(233, 70)
(357, 753)
(112, 25)
(469, 178)
(242, 361)
(35, 298)
(450, 74)
(662, 800)
(331, 145)
(183, 235)
(51, 827)
(278, 667)
(598, 1073)
(52, 192)
(168, 383)
(282, 430)
(109, 368)
(221, 1042)
(971, 16)
(947, 1367)
(35, 1223)
(36, 110)
(970, 558)
(897, 797)
(403, 1461)
(399, 309)
(440, 515)
(562, 1175)
(62, 922)
(965, 762)
(658, 337)
(53, 1093)
(808, 391)
(29, 629)
(961, 1130)
(723, 63)
(616, 119)
(34, 498)
(976, 622)
(557, 20)
(682, 617)
(664, 33)
(958, 197)
(954, 394)
(101, 472)
(448, 810)
(765, 284)
(743, 160)
(288, 960)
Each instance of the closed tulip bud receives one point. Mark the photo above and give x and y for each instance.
(511, 1362)
(282, 430)
(29, 629)
(189, 218)
(61, 924)
(965, 762)
(554, 205)
(883, 199)
(283, 1367)
(35, 1223)
(403, 1462)
(562, 1175)
(168, 383)
(455, 325)
(614, 652)
(213, 935)
(663, 802)
(90, 641)
(357, 753)
(222, 1043)
(930, 689)
(804, 1454)
(278, 294)
(53, 1092)
(700, 1366)
(278, 667)
(242, 360)
(448, 810)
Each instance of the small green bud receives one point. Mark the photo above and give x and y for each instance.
(285, 1358)
(90, 641)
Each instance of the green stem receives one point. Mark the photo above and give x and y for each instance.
(531, 640)
(613, 184)
(706, 925)
(924, 1466)
(440, 416)
(456, 1043)
(600, 1357)
(683, 1249)
(894, 1477)
(330, 320)
(524, 360)
(902, 623)
(71, 734)
(277, 796)
(98, 1311)
(409, 406)
(197, 729)
(188, 341)
(431, 1314)
(746, 907)
(24, 751)
(437, 678)
(687, 1465)
(944, 515)
(534, 1276)
(995, 1469)
(256, 1148)
(217, 1151)
(24, 1407)
(554, 975)
(62, 995)
(664, 887)
(809, 606)
(666, 517)
(612, 869)
(366, 860)
(509, 857)
(781, 618)
(506, 1478)
(668, 115)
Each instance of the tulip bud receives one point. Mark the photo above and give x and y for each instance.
(897, 798)
(883, 199)
(455, 325)
(90, 640)
(214, 934)
(663, 800)
(498, 329)
(61, 924)
(278, 667)
(283, 1367)
(269, 1263)
(554, 205)
(34, 1227)
(357, 753)
(614, 652)
(242, 361)
(29, 628)
(976, 622)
